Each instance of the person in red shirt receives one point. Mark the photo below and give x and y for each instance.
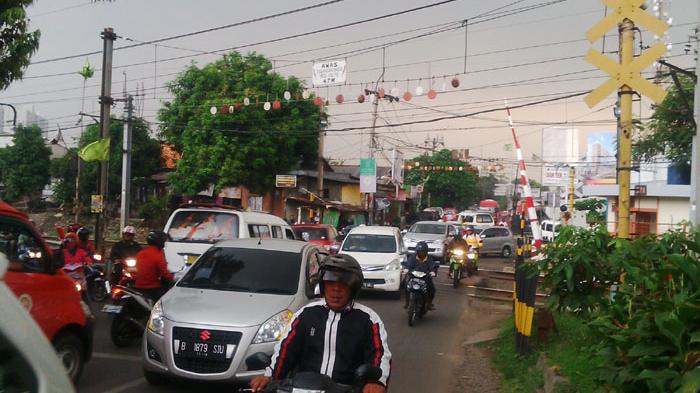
(151, 268)
(74, 259)
(84, 241)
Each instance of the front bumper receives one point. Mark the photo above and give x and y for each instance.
(382, 280)
(158, 355)
(435, 250)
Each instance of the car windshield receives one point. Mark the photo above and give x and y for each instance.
(369, 243)
(203, 227)
(311, 233)
(434, 229)
(245, 270)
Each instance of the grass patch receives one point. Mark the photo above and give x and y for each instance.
(569, 350)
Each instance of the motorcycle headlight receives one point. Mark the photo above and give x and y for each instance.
(156, 323)
(471, 255)
(78, 287)
(416, 286)
(273, 329)
(393, 265)
(458, 252)
(130, 262)
(97, 257)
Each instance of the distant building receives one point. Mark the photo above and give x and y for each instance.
(33, 118)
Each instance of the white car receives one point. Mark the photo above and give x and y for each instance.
(437, 234)
(29, 362)
(550, 230)
(380, 251)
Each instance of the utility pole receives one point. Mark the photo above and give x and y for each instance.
(572, 175)
(626, 30)
(108, 37)
(126, 164)
(322, 124)
(695, 192)
(372, 146)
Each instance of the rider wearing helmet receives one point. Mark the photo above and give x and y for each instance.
(333, 336)
(456, 243)
(151, 268)
(84, 241)
(126, 247)
(472, 238)
(423, 262)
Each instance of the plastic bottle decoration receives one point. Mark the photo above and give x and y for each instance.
(432, 94)
(395, 92)
(230, 109)
(287, 95)
(213, 110)
(318, 101)
(361, 98)
(443, 88)
(246, 101)
(419, 90)
(306, 94)
(407, 96)
(238, 106)
(455, 82)
(372, 98)
(276, 104)
(267, 105)
(339, 99)
(381, 92)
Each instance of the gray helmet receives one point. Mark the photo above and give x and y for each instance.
(343, 268)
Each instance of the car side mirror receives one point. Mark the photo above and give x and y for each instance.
(367, 373)
(258, 361)
(335, 248)
(404, 231)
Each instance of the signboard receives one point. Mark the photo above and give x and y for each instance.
(601, 159)
(553, 175)
(286, 181)
(328, 73)
(460, 154)
(397, 166)
(368, 176)
(230, 192)
(96, 203)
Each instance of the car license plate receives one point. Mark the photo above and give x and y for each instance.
(191, 259)
(112, 309)
(197, 349)
(367, 285)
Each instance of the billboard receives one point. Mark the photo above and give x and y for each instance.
(560, 146)
(601, 161)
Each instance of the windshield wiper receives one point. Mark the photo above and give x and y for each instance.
(273, 291)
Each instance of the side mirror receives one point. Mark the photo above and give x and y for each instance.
(335, 248)
(258, 361)
(404, 231)
(317, 291)
(367, 373)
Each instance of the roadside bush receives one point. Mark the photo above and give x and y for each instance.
(577, 269)
(154, 212)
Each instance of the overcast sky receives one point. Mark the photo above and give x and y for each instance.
(73, 26)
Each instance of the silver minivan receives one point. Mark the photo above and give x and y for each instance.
(237, 299)
(498, 240)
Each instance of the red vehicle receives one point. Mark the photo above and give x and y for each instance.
(45, 290)
(322, 234)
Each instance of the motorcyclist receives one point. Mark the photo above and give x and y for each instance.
(74, 259)
(423, 262)
(333, 336)
(84, 241)
(126, 247)
(151, 268)
(472, 238)
(457, 242)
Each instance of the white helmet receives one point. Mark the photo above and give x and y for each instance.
(129, 229)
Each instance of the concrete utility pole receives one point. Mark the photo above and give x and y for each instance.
(624, 158)
(695, 215)
(322, 124)
(108, 37)
(126, 164)
(572, 175)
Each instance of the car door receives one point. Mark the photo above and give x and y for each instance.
(490, 239)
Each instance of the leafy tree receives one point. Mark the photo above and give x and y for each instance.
(145, 161)
(486, 186)
(24, 166)
(248, 146)
(592, 207)
(447, 188)
(17, 45)
(670, 130)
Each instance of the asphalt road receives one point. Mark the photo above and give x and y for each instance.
(424, 356)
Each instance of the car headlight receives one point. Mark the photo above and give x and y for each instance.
(130, 262)
(273, 329)
(393, 265)
(156, 323)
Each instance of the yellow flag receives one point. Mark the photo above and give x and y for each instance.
(96, 151)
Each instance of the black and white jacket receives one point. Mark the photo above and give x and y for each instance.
(332, 343)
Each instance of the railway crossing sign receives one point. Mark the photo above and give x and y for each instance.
(625, 74)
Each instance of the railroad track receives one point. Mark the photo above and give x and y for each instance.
(483, 289)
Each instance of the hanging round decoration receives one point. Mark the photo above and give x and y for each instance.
(381, 93)
(306, 94)
(224, 109)
(318, 101)
(443, 88)
(361, 98)
(267, 105)
(276, 104)
(339, 99)
(287, 95)
(419, 90)
(372, 98)
(238, 106)
(246, 101)
(455, 82)
(407, 96)
(395, 92)
(230, 109)
(213, 110)
(432, 94)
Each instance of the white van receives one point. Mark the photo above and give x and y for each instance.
(193, 230)
(550, 229)
(479, 220)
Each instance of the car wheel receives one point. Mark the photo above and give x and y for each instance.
(69, 349)
(506, 252)
(155, 378)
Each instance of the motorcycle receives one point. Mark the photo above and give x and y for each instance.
(76, 271)
(312, 382)
(96, 286)
(472, 264)
(122, 272)
(457, 262)
(130, 311)
(417, 292)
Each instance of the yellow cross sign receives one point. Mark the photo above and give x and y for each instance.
(629, 75)
(625, 9)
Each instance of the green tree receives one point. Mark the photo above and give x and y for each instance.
(145, 161)
(248, 146)
(486, 186)
(446, 187)
(670, 130)
(24, 166)
(17, 45)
